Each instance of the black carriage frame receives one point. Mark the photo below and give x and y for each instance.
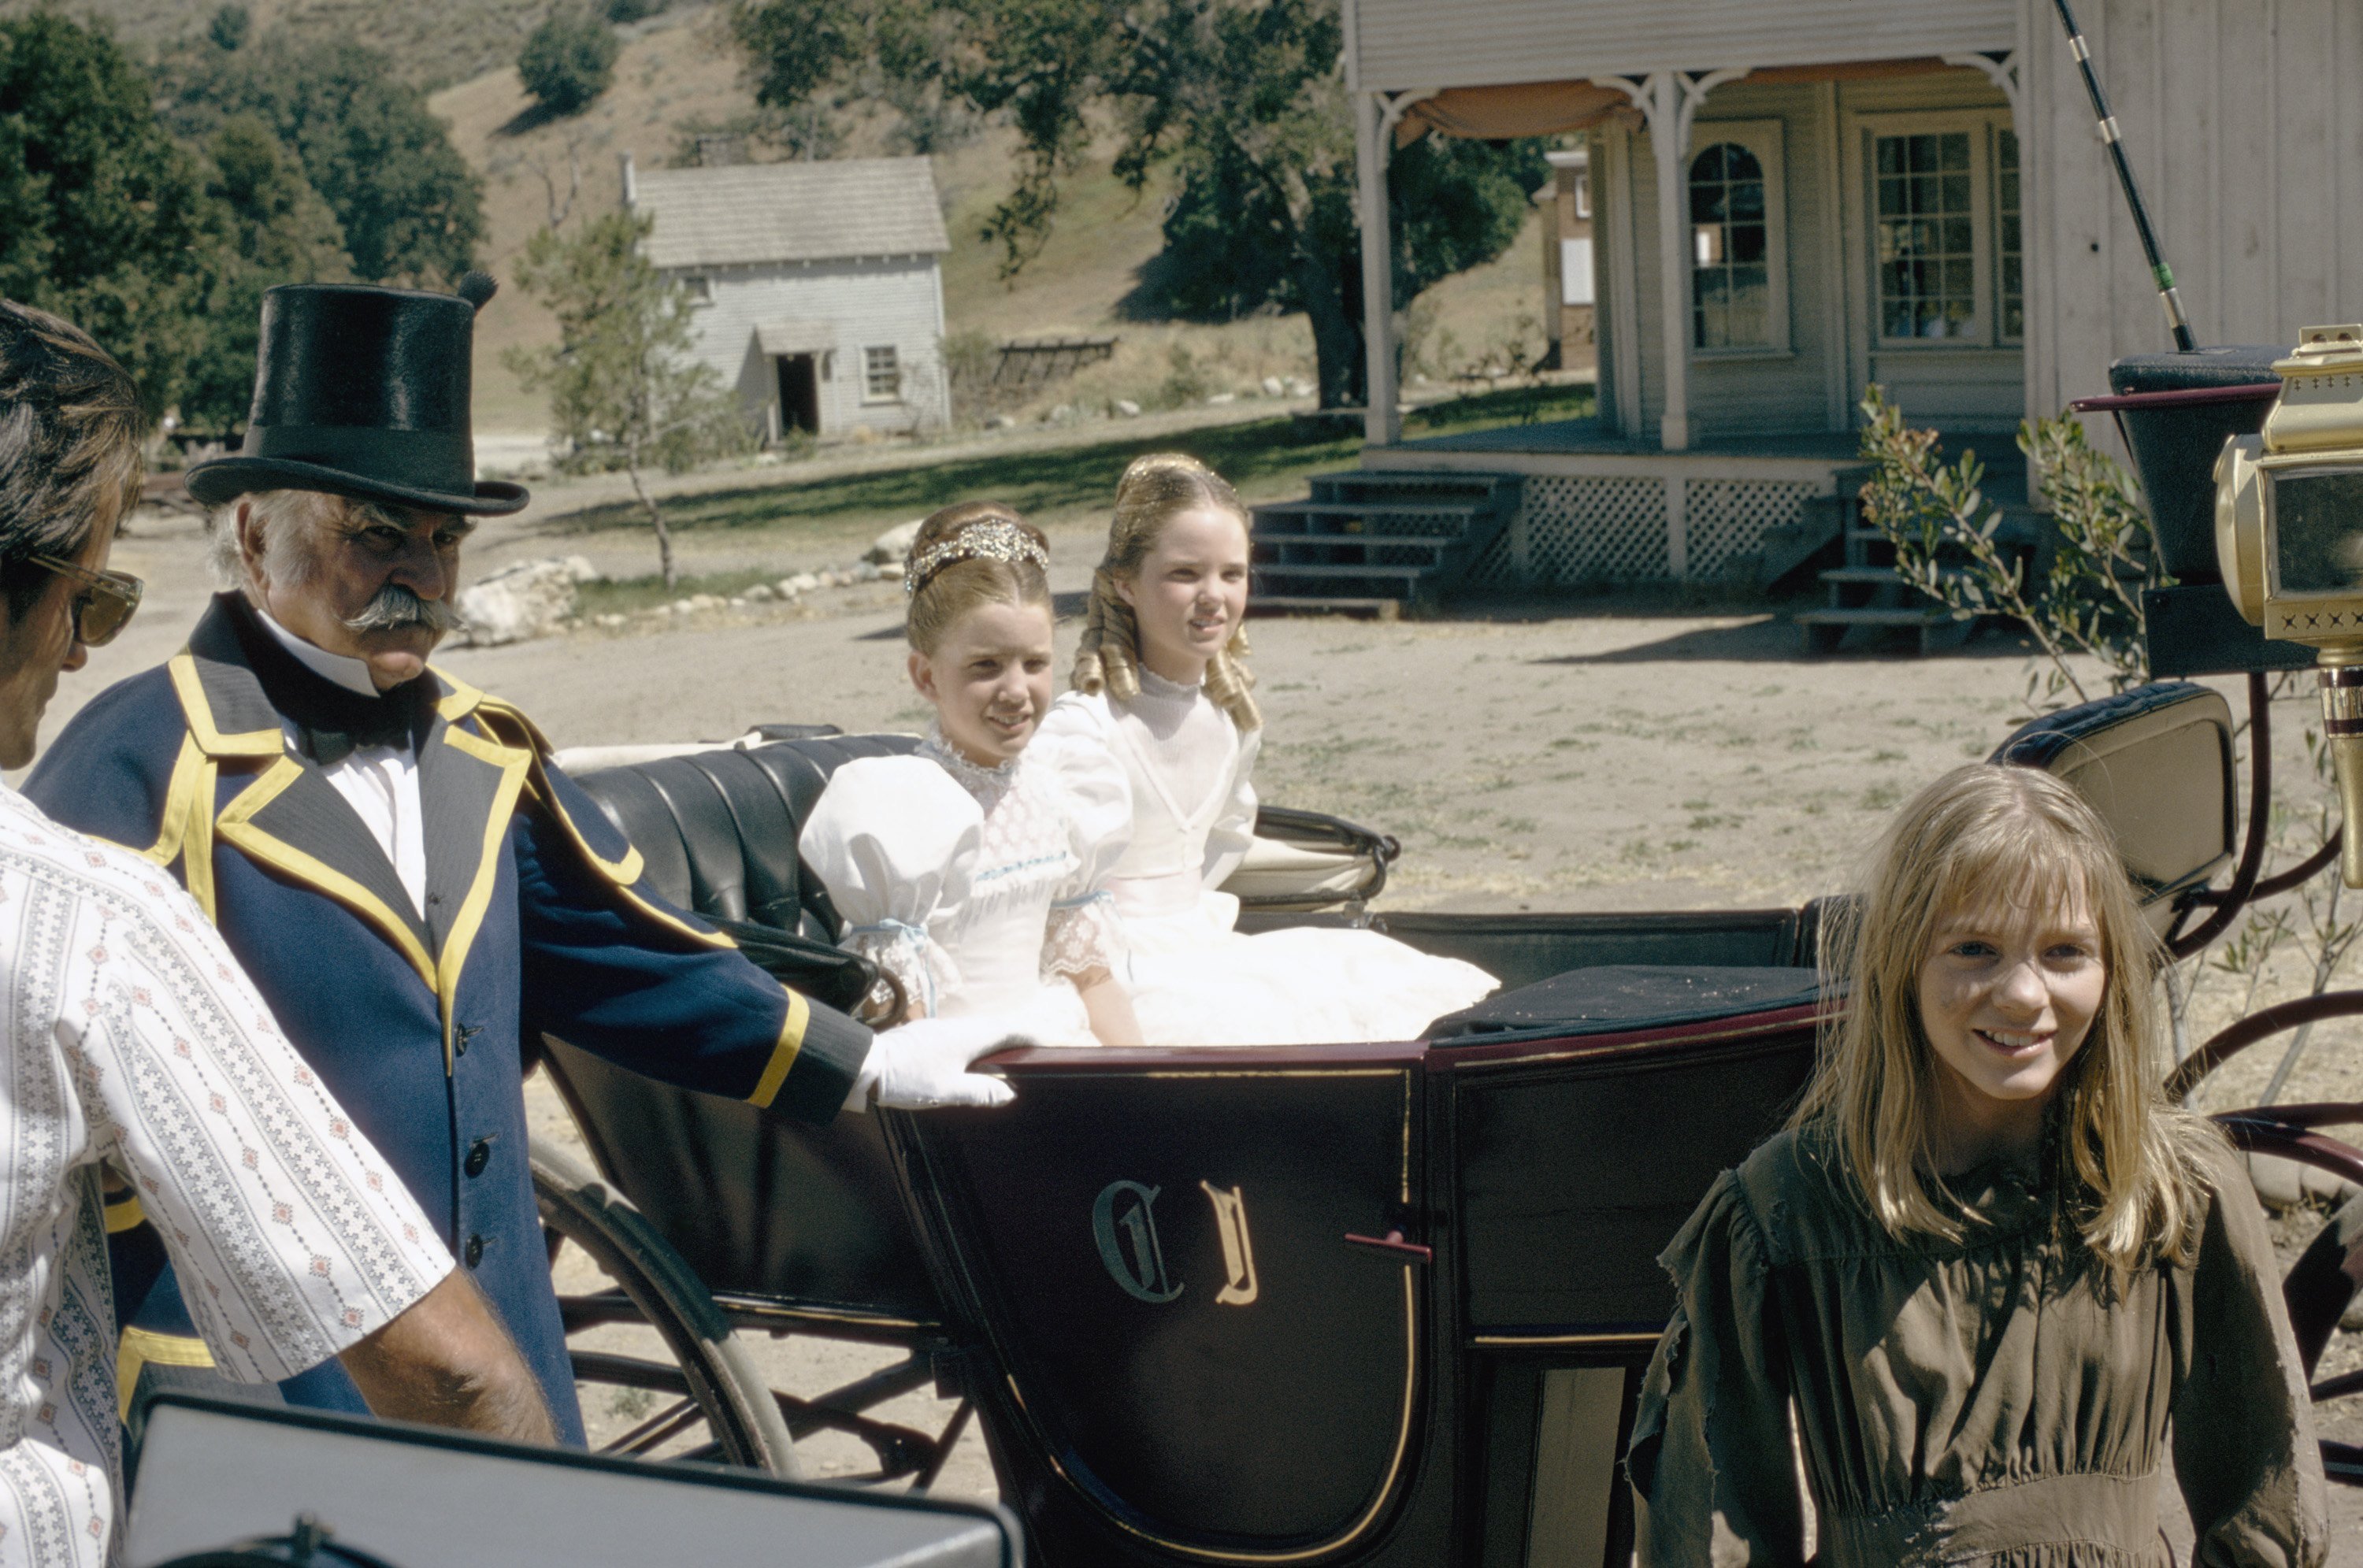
(1480, 1366)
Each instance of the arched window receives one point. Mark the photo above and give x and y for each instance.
(1731, 257)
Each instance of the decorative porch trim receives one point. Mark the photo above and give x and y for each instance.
(2001, 69)
(1669, 102)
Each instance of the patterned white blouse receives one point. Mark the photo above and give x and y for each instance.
(978, 889)
(133, 1040)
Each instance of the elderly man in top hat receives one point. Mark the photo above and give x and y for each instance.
(415, 887)
(131, 1043)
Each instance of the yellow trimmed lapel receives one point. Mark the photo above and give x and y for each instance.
(205, 688)
(468, 791)
(498, 719)
(292, 820)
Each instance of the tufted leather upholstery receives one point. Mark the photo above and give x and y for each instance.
(755, 1204)
(718, 828)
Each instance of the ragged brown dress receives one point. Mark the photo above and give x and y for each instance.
(1989, 1403)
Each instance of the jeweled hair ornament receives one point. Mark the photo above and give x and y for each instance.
(986, 541)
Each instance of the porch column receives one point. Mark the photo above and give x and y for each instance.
(1666, 140)
(1381, 425)
(1668, 101)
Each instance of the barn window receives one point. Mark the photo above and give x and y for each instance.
(882, 375)
(700, 290)
(1738, 271)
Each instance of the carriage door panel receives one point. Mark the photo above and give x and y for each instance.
(1575, 1174)
(1187, 1344)
(1574, 1166)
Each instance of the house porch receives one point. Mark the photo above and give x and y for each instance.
(1598, 505)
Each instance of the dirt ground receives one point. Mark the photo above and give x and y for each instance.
(1624, 753)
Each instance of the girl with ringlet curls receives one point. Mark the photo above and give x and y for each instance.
(1161, 686)
(1987, 1269)
(971, 871)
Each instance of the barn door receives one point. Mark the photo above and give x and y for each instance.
(799, 393)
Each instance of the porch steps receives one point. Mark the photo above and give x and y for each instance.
(1867, 596)
(1377, 542)
(1788, 550)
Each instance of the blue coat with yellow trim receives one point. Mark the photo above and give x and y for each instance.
(536, 922)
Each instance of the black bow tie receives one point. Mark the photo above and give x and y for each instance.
(386, 721)
(332, 721)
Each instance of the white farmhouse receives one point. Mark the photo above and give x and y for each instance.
(1794, 200)
(819, 286)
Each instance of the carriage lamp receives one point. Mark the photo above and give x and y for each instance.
(2288, 537)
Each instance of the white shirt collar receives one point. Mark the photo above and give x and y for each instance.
(352, 674)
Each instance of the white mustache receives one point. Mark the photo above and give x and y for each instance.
(396, 607)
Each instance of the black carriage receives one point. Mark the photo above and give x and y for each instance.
(1386, 1303)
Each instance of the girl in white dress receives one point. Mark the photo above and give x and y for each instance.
(971, 871)
(1159, 687)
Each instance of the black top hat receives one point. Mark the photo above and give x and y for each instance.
(363, 391)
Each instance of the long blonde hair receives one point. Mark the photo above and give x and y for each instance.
(1153, 492)
(1979, 835)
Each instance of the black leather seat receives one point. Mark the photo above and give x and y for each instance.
(718, 828)
(807, 1218)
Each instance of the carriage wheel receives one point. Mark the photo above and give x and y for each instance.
(695, 1394)
(2320, 1289)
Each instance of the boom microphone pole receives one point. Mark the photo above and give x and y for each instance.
(2167, 293)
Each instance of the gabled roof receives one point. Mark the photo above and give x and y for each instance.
(827, 211)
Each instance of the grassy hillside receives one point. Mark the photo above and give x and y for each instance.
(676, 67)
(431, 41)
(673, 71)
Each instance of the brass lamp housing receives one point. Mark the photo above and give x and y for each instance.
(2288, 537)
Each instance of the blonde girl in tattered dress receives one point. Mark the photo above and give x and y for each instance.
(971, 872)
(1160, 685)
(1988, 1268)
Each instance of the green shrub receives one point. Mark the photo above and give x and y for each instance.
(623, 13)
(569, 62)
(229, 28)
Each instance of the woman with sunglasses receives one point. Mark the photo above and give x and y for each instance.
(61, 600)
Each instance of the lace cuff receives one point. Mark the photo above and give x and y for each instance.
(912, 957)
(1082, 935)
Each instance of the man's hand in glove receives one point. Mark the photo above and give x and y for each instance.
(924, 1065)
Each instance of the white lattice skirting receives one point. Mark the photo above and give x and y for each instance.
(1577, 528)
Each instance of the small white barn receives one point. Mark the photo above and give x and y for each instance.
(819, 286)
(1794, 199)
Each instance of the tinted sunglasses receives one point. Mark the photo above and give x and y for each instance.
(104, 606)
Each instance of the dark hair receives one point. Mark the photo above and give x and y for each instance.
(70, 430)
(962, 583)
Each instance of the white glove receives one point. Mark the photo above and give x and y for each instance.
(923, 1065)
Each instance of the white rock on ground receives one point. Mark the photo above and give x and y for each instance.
(518, 603)
(1127, 409)
(893, 544)
(1273, 386)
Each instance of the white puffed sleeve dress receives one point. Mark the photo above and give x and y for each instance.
(1195, 979)
(979, 890)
